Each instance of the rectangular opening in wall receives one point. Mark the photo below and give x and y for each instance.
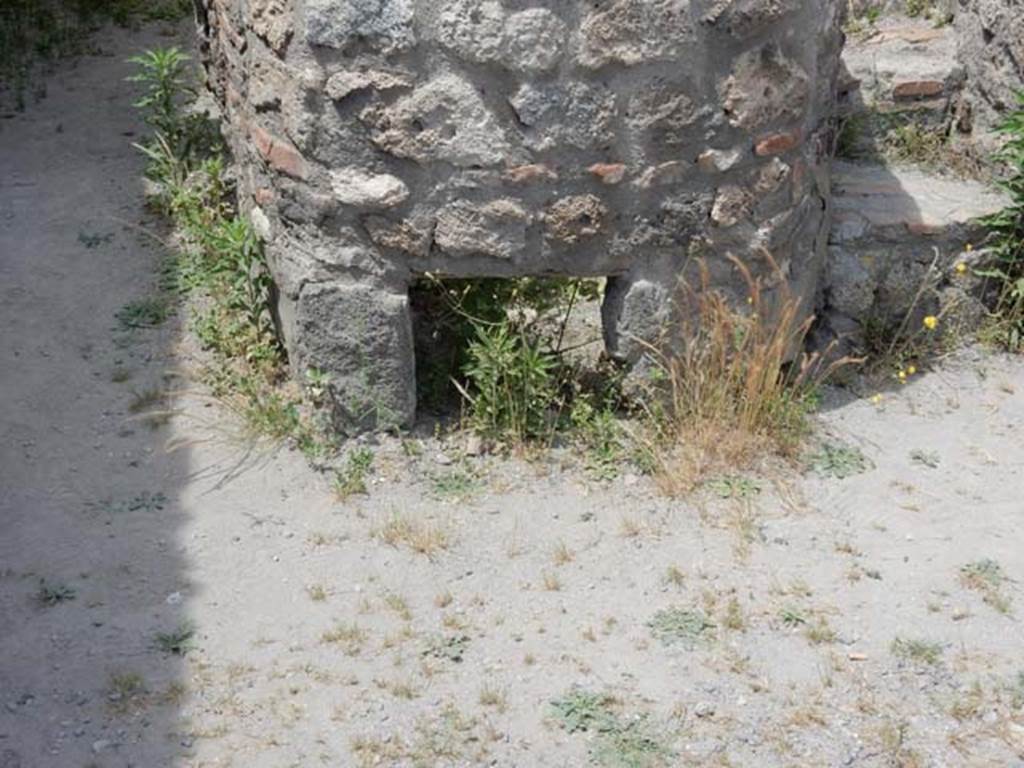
(508, 349)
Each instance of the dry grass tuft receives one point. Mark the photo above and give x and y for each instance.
(424, 537)
(724, 391)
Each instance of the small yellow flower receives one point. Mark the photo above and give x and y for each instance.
(902, 376)
(931, 322)
(961, 267)
(750, 299)
(968, 247)
(911, 370)
(876, 399)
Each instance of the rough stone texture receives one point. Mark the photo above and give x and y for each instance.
(990, 34)
(382, 139)
(897, 235)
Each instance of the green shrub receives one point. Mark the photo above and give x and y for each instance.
(511, 383)
(1007, 236)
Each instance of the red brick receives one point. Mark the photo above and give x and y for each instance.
(526, 174)
(918, 89)
(776, 143)
(279, 154)
(609, 173)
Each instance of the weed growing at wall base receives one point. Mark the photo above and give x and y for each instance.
(723, 390)
(1007, 228)
(221, 260)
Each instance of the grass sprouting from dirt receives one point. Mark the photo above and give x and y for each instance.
(724, 392)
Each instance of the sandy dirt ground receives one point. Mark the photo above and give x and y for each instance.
(809, 620)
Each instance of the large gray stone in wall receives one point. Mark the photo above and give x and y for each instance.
(361, 337)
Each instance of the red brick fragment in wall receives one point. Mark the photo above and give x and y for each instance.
(279, 154)
(777, 143)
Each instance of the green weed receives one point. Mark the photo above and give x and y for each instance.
(682, 626)
(350, 637)
(618, 742)
(839, 461)
(176, 642)
(143, 313)
(733, 487)
(51, 593)
(987, 577)
(918, 651)
(1007, 237)
(351, 479)
(456, 485)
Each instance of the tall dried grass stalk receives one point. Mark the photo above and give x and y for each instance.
(731, 383)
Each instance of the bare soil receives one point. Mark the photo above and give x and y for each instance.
(433, 621)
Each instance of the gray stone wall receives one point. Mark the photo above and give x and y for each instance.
(382, 139)
(990, 36)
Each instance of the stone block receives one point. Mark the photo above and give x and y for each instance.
(360, 335)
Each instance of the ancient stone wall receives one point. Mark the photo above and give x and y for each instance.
(990, 36)
(382, 139)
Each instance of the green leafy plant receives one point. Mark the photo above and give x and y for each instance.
(678, 625)
(50, 593)
(176, 642)
(918, 651)
(511, 386)
(351, 479)
(619, 742)
(1007, 237)
(839, 461)
(163, 74)
(143, 313)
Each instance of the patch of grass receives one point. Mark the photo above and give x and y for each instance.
(917, 651)
(1016, 691)
(673, 626)
(317, 593)
(733, 487)
(983, 575)
(351, 479)
(839, 461)
(147, 398)
(551, 582)
(424, 537)
(675, 576)
(580, 711)
(493, 698)
(398, 605)
(448, 648)
(987, 577)
(54, 593)
(724, 393)
(351, 638)
(820, 632)
(928, 459)
(732, 617)
(618, 742)
(94, 240)
(562, 555)
(178, 641)
(148, 312)
(792, 617)
(915, 145)
(456, 485)
(124, 690)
